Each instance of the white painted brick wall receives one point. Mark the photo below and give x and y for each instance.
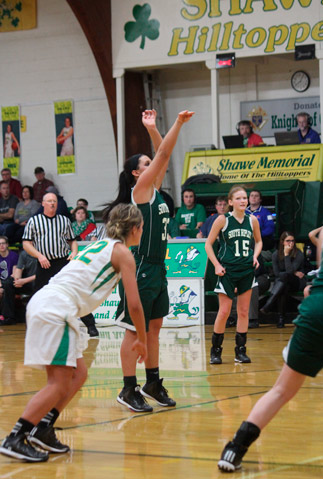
(54, 62)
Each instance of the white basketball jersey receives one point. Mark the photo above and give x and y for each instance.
(90, 277)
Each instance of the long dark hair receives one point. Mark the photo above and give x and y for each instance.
(282, 238)
(126, 182)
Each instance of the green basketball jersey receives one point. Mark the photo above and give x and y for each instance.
(236, 244)
(318, 281)
(310, 310)
(153, 241)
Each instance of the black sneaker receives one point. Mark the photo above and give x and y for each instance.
(132, 398)
(231, 457)
(92, 331)
(241, 356)
(18, 447)
(46, 439)
(253, 323)
(216, 355)
(156, 391)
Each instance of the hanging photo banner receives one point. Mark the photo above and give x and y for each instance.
(11, 138)
(15, 15)
(64, 137)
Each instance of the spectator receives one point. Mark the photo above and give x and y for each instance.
(266, 222)
(21, 281)
(288, 266)
(8, 205)
(263, 281)
(82, 226)
(221, 206)
(62, 208)
(15, 187)
(8, 259)
(49, 236)
(190, 215)
(41, 184)
(97, 234)
(250, 139)
(305, 132)
(85, 203)
(24, 210)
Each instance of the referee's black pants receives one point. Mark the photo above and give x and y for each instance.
(43, 276)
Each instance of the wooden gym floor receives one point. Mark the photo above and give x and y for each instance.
(107, 440)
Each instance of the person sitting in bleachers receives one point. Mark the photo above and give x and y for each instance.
(288, 267)
(82, 226)
(8, 205)
(221, 206)
(24, 210)
(8, 261)
(39, 187)
(191, 215)
(21, 281)
(265, 218)
(83, 202)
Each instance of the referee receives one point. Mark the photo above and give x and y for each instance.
(49, 237)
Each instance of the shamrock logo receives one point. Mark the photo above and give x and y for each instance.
(142, 26)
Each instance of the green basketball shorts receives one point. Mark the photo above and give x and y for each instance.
(243, 281)
(152, 286)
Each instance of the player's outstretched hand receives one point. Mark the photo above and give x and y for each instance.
(141, 350)
(185, 116)
(149, 118)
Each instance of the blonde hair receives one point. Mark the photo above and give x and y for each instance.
(234, 189)
(122, 218)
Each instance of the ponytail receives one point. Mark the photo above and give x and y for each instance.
(126, 182)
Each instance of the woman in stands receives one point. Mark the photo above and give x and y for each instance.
(82, 226)
(240, 245)
(288, 266)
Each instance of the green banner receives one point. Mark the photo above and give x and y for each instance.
(11, 138)
(186, 259)
(64, 137)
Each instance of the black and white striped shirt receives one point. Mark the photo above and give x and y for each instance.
(50, 235)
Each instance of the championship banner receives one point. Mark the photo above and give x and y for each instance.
(18, 15)
(11, 138)
(301, 162)
(64, 137)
